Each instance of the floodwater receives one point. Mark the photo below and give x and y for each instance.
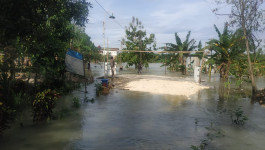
(126, 120)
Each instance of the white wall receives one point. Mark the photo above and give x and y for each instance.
(112, 53)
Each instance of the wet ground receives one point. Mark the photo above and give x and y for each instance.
(126, 120)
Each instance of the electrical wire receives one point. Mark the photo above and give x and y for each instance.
(109, 14)
(103, 8)
(119, 24)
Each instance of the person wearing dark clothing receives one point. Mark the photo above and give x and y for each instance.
(88, 65)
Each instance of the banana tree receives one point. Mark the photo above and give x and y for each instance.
(180, 48)
(227, 47)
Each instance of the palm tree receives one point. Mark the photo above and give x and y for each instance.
(227, 47)
(180, 48)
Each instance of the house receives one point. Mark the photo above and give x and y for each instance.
(111, 51)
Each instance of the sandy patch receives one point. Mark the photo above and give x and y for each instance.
(160, 85)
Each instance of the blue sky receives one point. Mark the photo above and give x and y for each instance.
(161, 17)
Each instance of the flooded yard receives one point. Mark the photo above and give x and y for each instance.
(129, 120)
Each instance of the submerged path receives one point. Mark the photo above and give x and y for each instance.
(158, 84)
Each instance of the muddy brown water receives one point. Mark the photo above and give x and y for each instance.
(126, 120)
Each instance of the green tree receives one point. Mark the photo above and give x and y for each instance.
(136, 39)
(259, 67)
(40, 31)
(248, 15)
(227, 47)
(181, 48)
(82, 43)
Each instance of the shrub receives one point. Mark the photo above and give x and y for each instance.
(44, 104)
(238, 116)
(6, 116)
(76, 102)
(99, 89)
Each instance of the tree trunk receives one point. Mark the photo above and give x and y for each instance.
(254, 87)
(12, 70)
(227, 68)
(253, 82)
(35, 79)
(184, 65)
(222, 71)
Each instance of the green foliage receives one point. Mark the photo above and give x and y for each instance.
(239, 82)
(6, 116)
(239, 67)
(41, 31)
(82, 43)
(249, 16)
(260, 97)
(14, 97)
(212, 133)
(227, 48)
(44, 104)
(76, 102)
(60, 85)
(200, 48)
(259, 65)
(92, 100)
(136, 39)
(176, 61)
(68, 86)
(62, 113)
(202, 146)
(37, 32)
(238, 117)
(227, 84)
(99, 89)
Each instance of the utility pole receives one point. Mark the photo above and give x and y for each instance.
(104, 52)
(107, 56)
(111, 17)
(120, 56)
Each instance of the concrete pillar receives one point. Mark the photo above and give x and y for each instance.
(197, 74)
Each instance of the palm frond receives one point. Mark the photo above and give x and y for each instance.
(178, 40)
(217, 30)
(187, 37)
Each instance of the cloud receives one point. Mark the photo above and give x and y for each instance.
(193, 16)
(163, 18)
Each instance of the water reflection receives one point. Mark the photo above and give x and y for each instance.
(126, 120)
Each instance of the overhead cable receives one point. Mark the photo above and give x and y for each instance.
(109, 14)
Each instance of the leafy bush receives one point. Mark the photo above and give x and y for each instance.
(260, 96)
(76, 102)
(44, 104)
(213, 133)
(6, 116)
(227, 84)
(202, 146)
(59, 85)
(99, 89)
(238, 116)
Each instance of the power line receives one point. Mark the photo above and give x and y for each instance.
(103, 8)
(119, 24)
(109, 14)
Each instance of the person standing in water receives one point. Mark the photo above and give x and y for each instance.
(112, 66)
(88, 65)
